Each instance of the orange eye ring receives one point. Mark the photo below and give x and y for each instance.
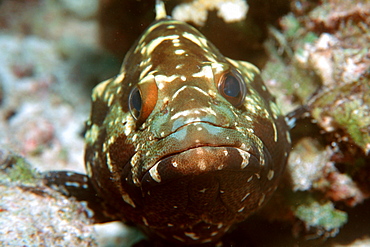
(142, 100)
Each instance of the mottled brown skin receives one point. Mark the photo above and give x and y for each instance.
(200, 146)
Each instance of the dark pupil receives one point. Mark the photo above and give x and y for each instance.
(231, 86)
(136, 100)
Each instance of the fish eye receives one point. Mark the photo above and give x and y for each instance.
(232, 87)
(135, 103)
(142, 100)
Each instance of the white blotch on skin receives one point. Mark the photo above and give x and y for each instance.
(145, 221)
(110, 99)
(174, 164)
(203, 190)
(262, 160)
(128, 200)
(155, 174)
(262, 199)
(245, 156)
(134, 137)
(179, 52)
(288, 136)
(163, 78)
(205, 72)
(207, 240)
(178, 238)
(275, 132)
(109, 163)
(145, 71)
(73, 184)
(155, 42)
(202, 164)
(160, 86)
(270, 175)
(192, 38)
(191, 235)
(248, 118)
(245, 197)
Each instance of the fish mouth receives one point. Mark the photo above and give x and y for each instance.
(204, 181)
(205, 172)
(198, 134)
(197, 160)
(198, 148)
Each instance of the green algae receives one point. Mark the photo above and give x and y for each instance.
(323, 215)
(16, 169)
(317, 213)
(346, 107)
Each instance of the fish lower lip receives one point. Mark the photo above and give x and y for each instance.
(197, 145)
(199, 160)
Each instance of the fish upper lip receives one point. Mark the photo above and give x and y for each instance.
(191, 123)
(208, 138)
(223, 137)
(195, 122)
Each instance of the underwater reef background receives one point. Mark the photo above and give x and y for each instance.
(311, 53)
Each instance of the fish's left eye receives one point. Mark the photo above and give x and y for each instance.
(135, 102)
(142, 100)
(232, 87)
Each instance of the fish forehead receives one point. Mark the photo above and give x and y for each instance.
(176, 54)
(166, 40)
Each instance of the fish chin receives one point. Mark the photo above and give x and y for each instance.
(205, 173)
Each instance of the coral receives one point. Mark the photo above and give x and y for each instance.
(32, 214)
(323, 51)
(196, 11)
(323, 216)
